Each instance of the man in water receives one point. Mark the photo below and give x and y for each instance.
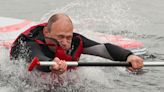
(56, 41)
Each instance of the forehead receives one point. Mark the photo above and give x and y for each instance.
(62, 26)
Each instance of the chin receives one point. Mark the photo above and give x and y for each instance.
(65, 48)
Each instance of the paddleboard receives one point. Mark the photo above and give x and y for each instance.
(10, 28)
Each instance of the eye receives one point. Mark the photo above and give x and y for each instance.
(60, 36)
(69, 37)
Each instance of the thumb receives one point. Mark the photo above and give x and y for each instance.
(56, 59)
(56, 66)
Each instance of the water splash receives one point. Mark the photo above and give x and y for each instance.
(15, 77)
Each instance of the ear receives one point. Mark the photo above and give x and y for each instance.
(45, 31)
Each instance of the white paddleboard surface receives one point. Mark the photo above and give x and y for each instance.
(10, 28)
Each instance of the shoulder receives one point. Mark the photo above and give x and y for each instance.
(78, 35)
(86, 42)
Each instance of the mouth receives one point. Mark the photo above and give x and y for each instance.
(63, 47)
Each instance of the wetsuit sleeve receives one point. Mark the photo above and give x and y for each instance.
(27, 50)
(105, 50)
(36, 52)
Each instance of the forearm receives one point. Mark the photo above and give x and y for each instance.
(117, 53)
(108, 51)
(98, 50)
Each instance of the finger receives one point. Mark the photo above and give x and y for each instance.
(55, 67)
(139, 63)
(59, 63)
(65, 67)
(134, 65)
(56, 59)
(63, 64)
(130, 69)
(57, 72)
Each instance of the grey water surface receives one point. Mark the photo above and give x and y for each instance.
(142, 20)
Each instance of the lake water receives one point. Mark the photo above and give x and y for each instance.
(142, 20)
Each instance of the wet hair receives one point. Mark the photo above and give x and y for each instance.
(54, 18)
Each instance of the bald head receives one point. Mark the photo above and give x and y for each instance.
(58, 17)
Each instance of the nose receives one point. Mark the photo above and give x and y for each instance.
(64, 42)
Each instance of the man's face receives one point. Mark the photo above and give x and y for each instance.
(62, 31)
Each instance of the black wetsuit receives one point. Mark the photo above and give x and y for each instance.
(30, 49)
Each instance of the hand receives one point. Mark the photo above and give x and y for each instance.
(136, 62)
(60, 67)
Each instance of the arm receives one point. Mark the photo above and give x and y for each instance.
(105, 50)
(27, 50)
(112, 52)
(36, 51)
